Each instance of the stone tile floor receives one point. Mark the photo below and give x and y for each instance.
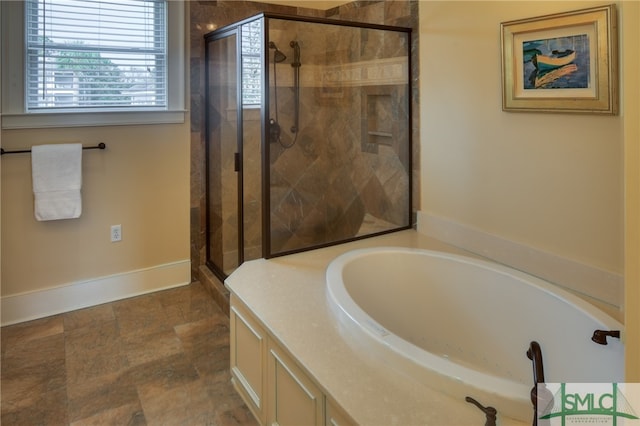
(157, 359)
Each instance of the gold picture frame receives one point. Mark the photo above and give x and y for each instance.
(566, 62)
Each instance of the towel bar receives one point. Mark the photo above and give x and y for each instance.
(101, 145)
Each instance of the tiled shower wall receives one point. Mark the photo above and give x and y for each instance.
(348, 172)
(206, 16)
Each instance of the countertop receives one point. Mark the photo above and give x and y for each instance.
(288, 296)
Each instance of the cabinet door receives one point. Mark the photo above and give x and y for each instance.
(293, 399)
(248, 359)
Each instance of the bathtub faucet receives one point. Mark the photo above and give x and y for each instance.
(600, 336)
(490, 412)
(534, 353)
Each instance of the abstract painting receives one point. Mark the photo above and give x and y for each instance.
(565, 62)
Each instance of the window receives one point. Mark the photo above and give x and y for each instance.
(251, 47)
(63, 92)
(114, 53)
(64, 79)
(72, 59)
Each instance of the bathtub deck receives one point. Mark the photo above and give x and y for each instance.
(288, 296)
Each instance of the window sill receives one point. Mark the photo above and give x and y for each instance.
(93, 119)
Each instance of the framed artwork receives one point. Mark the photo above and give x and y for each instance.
(565, 62)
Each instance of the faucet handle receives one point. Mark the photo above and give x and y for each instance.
(490, 412)
(600, 336)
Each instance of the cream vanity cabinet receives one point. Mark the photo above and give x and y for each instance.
(273, 386)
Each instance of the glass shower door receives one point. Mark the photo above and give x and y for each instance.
(339, 165)
(224, 235)
(308, 136)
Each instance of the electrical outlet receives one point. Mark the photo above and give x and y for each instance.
(116, 233)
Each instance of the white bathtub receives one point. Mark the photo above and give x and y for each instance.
(463, 325)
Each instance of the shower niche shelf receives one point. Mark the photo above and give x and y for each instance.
(378, 125)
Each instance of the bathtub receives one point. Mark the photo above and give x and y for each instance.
(462, 325)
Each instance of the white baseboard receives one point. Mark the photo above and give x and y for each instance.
(601, 285)
(38, 304)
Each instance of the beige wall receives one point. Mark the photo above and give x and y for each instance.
(631, 114)
(140, 181)
(550, 181)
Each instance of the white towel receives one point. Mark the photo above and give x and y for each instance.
(56, 170)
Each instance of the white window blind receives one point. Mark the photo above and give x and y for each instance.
(251, 48)
(96, 54)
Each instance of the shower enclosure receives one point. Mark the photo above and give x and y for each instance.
(308, 129)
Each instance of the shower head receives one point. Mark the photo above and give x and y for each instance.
(278, 56)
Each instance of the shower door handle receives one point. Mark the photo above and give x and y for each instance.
(236, 162)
